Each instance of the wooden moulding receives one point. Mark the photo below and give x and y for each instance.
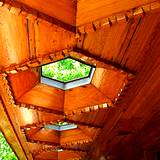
(41, 124)
(20, 8)
(39, 61)
(76, 53)
(124, 89)
(54, 148)
(69, 113)
(39, 108)
(123, 16)
(79, 142)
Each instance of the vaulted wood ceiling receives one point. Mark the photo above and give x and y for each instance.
(116, 113)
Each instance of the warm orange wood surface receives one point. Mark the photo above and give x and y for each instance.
(63, 10)
(91, 10)
(49, 38)
(44, 96)
(45, 136)
(108, 82)
(128, 128)
(22, 82)
(13, 38)
(83, 97)
(28, 38)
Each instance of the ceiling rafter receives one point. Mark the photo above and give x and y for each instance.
(139, 11)
(104, 63)
(18, 8)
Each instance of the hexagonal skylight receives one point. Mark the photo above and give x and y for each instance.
(66, 73)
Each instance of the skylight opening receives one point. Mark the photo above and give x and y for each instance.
(67, 73)
(61, 126)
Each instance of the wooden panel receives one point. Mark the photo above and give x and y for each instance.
(135, 55)
(91, 10)
(47, 156)
(106, 41)
(13, 38)
(139, 102)
(81, 97)
(74, 135)
(44, 96)
(22, 82)
(96, 118)
(26, 116)
(63, 10)
(66, 155)
(44, 135)
(50, 38)
(109, 82)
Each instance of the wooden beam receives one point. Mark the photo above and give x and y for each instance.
(37, 62)
(35, 13)
(102, 62)
(114, 18)
(7, 129)
(42, 142)
(39, 108)
(9, 104)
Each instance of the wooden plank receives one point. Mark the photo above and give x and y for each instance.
(10, 135)
(22, 82)
(56, 9)
(9, 105)
(44, 96)
(92, 10)
(17, 8)
(49, 37)
(81, 97)
(109, 82)
(13, 39)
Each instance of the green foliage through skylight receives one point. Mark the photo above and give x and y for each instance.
(6, 152)
(66, 70)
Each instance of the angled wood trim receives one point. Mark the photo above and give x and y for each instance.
(9, 104)
(7, 129)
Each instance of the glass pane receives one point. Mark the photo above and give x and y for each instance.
(66, 70)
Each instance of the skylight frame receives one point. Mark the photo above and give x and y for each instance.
(70, 84)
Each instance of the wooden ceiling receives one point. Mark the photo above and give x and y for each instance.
(116, 114)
